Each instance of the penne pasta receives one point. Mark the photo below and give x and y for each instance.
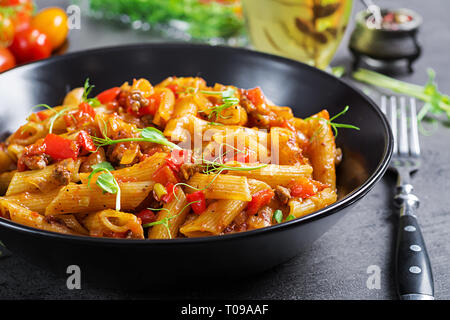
(22, 215)
(174, 213)
(322, 150)
(46, 179)
(299, 208)
(221, 186)
(274, 174)
(141, 171)
(219, 214)
(77, 198)
(175, 159)
(114, 224)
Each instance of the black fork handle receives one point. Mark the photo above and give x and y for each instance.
(413, 268)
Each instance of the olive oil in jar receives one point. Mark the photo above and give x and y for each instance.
(306, 30)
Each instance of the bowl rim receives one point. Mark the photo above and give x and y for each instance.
(349, 199)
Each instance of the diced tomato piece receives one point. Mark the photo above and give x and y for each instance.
(174, 88)
(84, 114)
(153, 104)
(42, 115)
(256, 96)
(164, 174)
(177, 158)
(170, 187)
(86, 108)
(199, 201)
(259, 199)
(303, 188)
(108, 95)
(85, 141)
(60, 148)
(146, 216)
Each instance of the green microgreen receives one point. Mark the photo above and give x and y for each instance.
(278, 216)
(148, 134)
(93, 102)
(334, 125)
(436, 102)
(106, 181)
(165, 221)
(228, 99)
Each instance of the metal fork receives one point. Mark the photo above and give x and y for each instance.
(413, 269)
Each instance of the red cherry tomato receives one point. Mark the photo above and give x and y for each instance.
(7, 60)
(6, 30)
(30, 45)
(22, 18)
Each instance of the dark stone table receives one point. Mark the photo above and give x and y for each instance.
(335, 267)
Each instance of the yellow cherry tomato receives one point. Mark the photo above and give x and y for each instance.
(52, 22)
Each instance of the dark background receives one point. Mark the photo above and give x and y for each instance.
(335, 267)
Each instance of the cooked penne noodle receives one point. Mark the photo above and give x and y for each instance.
(77, 198)
(35, 201)
(273, 174)
(219, 214)
(46, 179)
(175, 213)
(115, 224)
(5, 180)
(22, 215)
(322, 151)
(221, 186)
(141, 171)
(299, 208)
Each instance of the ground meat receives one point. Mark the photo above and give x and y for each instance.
(116, 152)
(283, 194)
(187, 170)
(247, 104)
(92, 159)
(35, 162)
(134, 101)
(61, 174)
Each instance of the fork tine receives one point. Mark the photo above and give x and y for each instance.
(414, 146)
(403, 148)
(383, 104)
(393, 120)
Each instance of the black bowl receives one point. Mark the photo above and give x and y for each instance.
(140, 263)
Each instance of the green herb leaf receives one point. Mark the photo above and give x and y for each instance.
(156, 136)
(103, 165)
(107, 183)
(148, 134)
(334, 125)
(435, 101)
(165, 221)
(338, 71)
(278, 216)
(290, 217)
(228, 99)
